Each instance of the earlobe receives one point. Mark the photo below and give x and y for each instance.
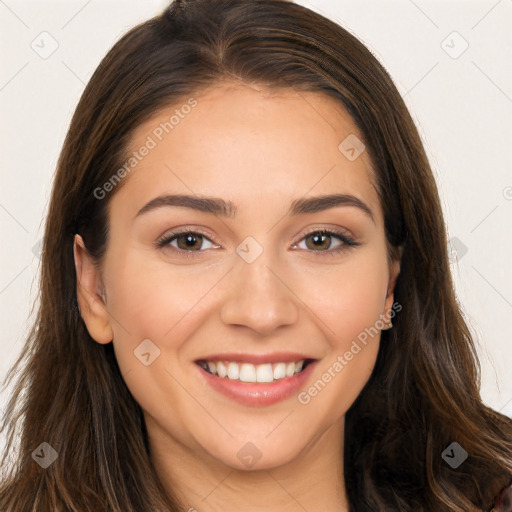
(91, 294)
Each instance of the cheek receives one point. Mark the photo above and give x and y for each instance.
(150, 294)
(360, 302)
(151, 299)
(348, 298)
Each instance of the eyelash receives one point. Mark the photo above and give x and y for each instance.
(347, 244)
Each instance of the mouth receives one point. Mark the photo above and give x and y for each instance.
(257, 380)
(248, 372)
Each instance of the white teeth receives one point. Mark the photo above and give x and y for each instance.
(264, 373)
(233, 371)
(290, 369)
(221, 369)
(280, 371)
(247, 372)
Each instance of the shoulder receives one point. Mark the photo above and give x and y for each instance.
(503, 501)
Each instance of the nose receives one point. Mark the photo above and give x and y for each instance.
(259, 298)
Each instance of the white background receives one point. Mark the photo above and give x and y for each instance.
(461, 101)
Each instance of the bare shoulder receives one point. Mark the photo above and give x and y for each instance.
(503, 501)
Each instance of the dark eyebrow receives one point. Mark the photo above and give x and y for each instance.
(224, 208)
(203, 204)
(320, 203)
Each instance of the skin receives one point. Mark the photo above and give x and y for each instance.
(261, 150)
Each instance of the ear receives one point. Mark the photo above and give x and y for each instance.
(91, 294)
(394, 270)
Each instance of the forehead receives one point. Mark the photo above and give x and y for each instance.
(245, 142)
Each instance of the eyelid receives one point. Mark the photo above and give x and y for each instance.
(182, 231)
(338, 231)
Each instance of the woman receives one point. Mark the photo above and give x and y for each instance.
(246, 301)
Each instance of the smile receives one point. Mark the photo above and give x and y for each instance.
(248, 372)
(256, 380)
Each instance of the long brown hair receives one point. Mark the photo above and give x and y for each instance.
(424, 392)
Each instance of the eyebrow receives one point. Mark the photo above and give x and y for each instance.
(227, 209)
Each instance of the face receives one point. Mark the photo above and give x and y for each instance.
(268, 281)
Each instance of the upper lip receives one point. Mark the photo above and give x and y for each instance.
(272, 357)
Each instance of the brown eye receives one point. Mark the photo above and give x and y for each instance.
(318, 241)
(326, 242)
(188, 241)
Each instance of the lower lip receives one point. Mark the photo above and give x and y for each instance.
(257, 394)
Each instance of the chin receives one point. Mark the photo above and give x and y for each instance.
(255, 456)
